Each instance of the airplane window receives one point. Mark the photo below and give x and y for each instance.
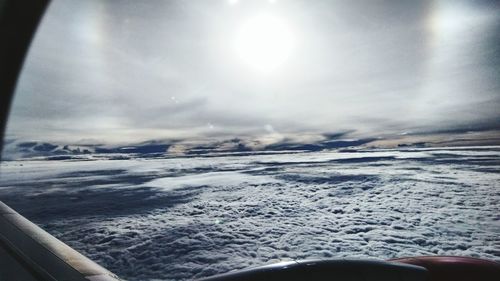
(173, 140)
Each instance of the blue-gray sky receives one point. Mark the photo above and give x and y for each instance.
(127, 71)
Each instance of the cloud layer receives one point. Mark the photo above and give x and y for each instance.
(177, 219)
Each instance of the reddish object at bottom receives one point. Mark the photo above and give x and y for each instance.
(444, 268)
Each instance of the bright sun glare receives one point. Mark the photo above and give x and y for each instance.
(264, 43)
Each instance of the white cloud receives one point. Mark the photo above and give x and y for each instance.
(105, 70)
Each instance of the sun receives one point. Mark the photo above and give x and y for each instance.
(264, 43)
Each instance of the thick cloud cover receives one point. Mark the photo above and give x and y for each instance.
(129, 115)
(175, 219)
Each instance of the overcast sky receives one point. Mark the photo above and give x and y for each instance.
(127, 71)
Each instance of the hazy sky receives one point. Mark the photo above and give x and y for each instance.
(124, 71)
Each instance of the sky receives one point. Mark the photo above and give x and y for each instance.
(128, 71)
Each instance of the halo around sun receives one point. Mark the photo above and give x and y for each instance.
(264, 43)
